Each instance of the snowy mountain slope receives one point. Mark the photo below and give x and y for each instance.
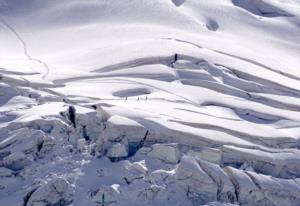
(138, 102)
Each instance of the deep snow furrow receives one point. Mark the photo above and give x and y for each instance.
(138, 102)
(131, 80)
(234, 183)
(254, 180)
(236, 57)
(281, 89)
(246, 112)
(232, 83)
(239, 92)
(232, 89)
(165, 60)
(279, 142)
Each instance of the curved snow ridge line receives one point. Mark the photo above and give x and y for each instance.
(265, 113)
(236, 57)
(230, 79)
(164, 60)
(216, 86)
(238, 85)
(231, 75)
(232, 85)
(160, 89)
(264, 85)
(278, 142)
(4, 71)
(131, 80)
(246, 111)
(288, 127)
(284, 90)
(168, 60)
(159, 77)
(25, 83)
(210, 115)
(275, 103)
(238, 92)
(267, 141)
(25, 48)
(195, 137)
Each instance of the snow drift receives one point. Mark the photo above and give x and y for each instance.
(138, 102)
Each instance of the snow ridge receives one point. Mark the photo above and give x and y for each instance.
(161, 102)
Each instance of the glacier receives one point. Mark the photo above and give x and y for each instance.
(139, 102)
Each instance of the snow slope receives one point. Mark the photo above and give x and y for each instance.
(138, 102)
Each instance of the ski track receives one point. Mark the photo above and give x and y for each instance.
(135, 110)
(25, 48)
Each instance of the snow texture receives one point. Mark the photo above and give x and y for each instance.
(139, 102)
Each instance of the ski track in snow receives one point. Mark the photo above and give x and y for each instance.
(173, 102)
(25, 48)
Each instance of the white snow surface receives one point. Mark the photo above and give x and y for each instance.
(149, 102)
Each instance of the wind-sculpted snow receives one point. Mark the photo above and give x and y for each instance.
(138, 102)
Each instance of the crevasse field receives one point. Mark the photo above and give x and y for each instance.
(149, 102)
